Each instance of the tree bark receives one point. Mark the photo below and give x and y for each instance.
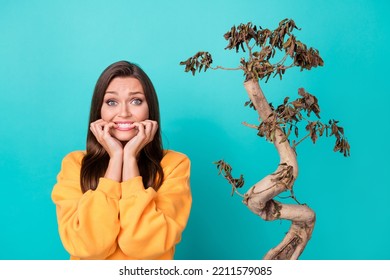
(259, 198)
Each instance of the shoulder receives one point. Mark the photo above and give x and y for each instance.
(173, 159)
(73, 158)
(69, 176)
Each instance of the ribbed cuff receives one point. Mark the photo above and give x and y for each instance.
(109, 187)
(131, 186)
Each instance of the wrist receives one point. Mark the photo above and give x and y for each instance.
(116, 155)
(130, 168)
(114, 169)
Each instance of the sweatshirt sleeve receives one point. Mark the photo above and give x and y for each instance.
(88, 223)
(152, 222)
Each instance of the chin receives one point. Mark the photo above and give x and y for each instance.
(124, 137)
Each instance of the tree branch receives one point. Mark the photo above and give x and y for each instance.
(300, 141)
(224, 68)
(259, 198)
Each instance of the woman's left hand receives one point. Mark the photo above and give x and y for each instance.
(146, 131)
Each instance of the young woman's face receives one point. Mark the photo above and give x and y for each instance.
(124, 103)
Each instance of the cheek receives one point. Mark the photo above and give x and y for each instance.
(147, 114)
(105, 114)
(143, 113)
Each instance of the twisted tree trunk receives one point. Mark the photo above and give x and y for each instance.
(259, 198)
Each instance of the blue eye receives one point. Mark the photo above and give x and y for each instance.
(136, 101)
(111, 102)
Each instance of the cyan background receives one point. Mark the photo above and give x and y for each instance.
(51, 53)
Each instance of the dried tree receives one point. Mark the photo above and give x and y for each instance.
(278, 125)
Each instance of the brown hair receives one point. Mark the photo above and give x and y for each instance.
(95, 162)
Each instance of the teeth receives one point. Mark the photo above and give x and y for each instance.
(124, 125)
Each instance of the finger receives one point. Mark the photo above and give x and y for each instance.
(98, 128)
(106, 130)
(154, 129)
(98, 123)
(139, 138)
(140, 128)
(106, 135)
(108, 126)
(150, 129)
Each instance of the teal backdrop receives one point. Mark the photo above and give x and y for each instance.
(52, 52)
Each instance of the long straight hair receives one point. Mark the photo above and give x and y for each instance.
(95, 162)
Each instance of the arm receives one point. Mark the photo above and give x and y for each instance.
(146, 131)
(88, 223)
(152, 222)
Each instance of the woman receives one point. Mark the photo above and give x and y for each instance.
(125, 197)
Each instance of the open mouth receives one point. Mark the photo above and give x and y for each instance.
(124, 126)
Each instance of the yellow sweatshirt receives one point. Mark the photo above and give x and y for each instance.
(122, 220)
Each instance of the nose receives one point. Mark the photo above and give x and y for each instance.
(124, 111)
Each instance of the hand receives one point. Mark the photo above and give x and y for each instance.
(101, 130)
(146, 131)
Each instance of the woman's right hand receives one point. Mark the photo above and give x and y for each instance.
(101, 130)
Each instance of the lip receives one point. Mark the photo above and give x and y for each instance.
(124, 126)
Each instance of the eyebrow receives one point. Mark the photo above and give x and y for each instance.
(130, 93)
